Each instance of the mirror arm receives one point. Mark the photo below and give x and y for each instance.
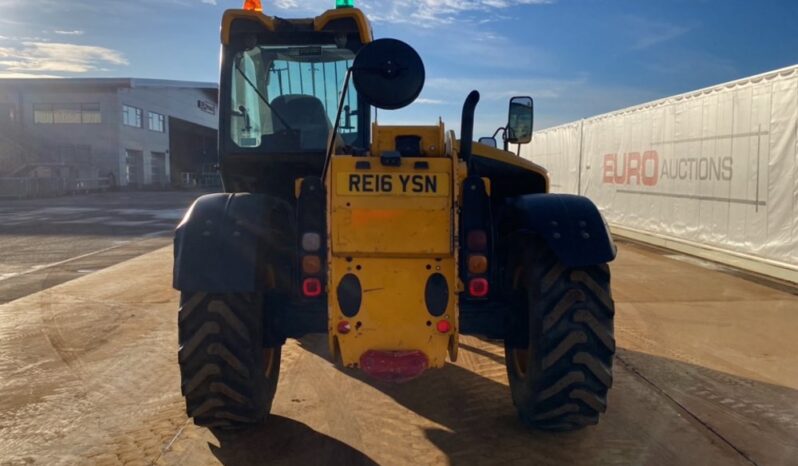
(498, 131)
(331, 142)
(467, 126)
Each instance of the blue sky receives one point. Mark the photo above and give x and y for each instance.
(577, 58)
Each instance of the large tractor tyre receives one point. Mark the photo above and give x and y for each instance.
(559, 357)
(227, 377)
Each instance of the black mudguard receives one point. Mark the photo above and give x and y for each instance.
(572, 226)
(234, 243)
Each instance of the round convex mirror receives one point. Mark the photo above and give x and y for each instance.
(388, 73)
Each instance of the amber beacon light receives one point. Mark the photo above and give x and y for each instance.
(253, 5)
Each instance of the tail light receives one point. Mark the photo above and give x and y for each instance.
(478, 287)
(477, 242)
(311, 287)
(311, 242)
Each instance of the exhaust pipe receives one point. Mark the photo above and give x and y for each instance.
(467, 125)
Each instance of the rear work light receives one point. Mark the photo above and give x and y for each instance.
(253, 5)
(311, 288)
(478, 287)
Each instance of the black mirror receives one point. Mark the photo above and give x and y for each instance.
(388, 73)
(522, 117)
(489, 141)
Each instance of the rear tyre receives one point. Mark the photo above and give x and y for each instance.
(227, 377)
(559, 358)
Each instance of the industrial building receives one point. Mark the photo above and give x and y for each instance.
(63, 134)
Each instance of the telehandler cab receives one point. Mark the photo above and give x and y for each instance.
(392, 240)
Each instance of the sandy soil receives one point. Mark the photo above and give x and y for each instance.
(706, 373)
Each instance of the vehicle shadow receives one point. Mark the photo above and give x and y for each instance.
(479, 421)
(659, 410)
(284, 441)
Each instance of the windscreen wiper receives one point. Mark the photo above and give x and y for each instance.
(263, 97)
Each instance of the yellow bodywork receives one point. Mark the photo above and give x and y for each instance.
(393, 227)
(393, 234)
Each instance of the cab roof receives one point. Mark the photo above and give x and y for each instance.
(331, 18)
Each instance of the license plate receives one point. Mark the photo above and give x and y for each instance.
(393, 184)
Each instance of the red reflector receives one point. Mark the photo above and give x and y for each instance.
(444, 326)
(477, 241)
(478, 287)
(344, 327)
(394, 366)
(311, 287)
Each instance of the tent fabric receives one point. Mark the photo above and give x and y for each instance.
(717, 167)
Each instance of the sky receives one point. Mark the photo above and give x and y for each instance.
(576, 58)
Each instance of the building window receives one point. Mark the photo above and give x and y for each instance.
(66, 114)
(43, 114)
(131, 116)
(75, 114)
(157, 122)
(90, 114)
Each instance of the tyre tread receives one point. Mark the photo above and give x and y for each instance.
(221, 361)
(570, 359)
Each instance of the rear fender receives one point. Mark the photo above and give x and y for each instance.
(572, 226)
(234, 243)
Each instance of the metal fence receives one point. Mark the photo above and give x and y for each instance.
(200, 180)
(28, 187)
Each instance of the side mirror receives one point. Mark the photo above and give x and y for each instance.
(521, 121)
(388, 73)
(488, 141)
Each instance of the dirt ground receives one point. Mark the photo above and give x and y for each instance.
(706, 373)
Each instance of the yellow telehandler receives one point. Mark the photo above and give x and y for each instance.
(391, 240)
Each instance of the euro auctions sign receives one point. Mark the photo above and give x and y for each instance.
(716, 167)
(648, 168)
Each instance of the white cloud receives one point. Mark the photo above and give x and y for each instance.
(75, 32)
(50, 57)
(424, 13)
(425, 101)
(497, 89)
(429, 12)
(648, 33)
(9, 75)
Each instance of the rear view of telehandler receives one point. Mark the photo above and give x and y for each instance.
(393, 241)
